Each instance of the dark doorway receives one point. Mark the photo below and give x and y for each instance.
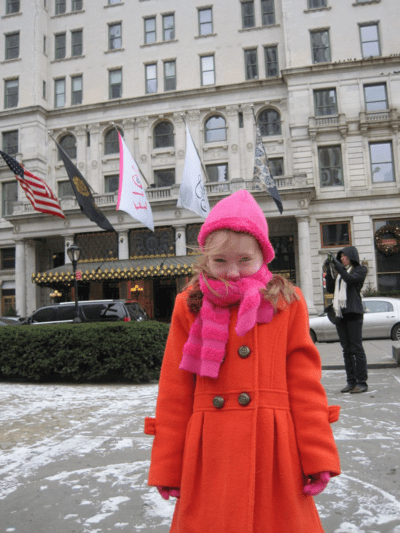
(164, 298)
(284, 263)
(110, 290)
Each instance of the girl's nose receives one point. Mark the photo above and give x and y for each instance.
(233, 272)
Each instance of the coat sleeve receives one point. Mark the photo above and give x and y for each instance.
(308, 401)
(174, 404)
(356, 277)
(330, 281)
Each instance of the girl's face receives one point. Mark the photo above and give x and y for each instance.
(233, 255)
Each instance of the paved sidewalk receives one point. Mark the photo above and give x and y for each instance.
(379, 354)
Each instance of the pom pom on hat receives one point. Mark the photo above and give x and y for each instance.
(239, 212)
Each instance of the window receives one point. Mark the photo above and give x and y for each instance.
(9, 196)
(7, 258)
(111, 183)
(325, 102)
(10, 93)
(387, 266)
(168, 27)
(151, 78)
(59, 93)
(60, 7)
(269, 122)
(60, 46)
(68, 144)
(375, 97)
(251, 64)
(76, 43)
(321, 51)
(314, 4)
(267, 12)
(217, 172)
(10, 142)
(150, 30)
(381, 162)
(65, 189)
(378, 306)
(205, 21)
(335, 234)
(115, 36)
(330, 166)
(169, 76)
(276, 166)
(271, 61)
(163, 135)
(215, 129)
(111, 142)
(76, 90)
(12, 6)
(76, 5)
(164, 178)
(12, 45)
(207, 70)
(369, 35)
(115, 83)
(111, 2)
(248, 19)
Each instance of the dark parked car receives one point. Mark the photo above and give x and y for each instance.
(89, 311)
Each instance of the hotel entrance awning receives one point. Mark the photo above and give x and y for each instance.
(120, 270)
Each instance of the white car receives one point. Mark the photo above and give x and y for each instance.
(381, 320)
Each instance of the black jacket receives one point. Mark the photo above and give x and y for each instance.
(354, 281)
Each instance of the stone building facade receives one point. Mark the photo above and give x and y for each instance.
(320, 78)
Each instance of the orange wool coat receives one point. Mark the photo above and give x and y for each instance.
(241, 468)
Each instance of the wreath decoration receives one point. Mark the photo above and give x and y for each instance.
(387, 249)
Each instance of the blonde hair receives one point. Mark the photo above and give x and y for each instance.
(280, 292)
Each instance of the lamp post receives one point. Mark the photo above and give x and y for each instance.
(74, 253)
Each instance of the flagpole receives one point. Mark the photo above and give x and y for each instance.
(51, 135)
(140, 170)
(197, 152)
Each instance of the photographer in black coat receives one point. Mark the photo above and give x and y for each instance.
(346, 287)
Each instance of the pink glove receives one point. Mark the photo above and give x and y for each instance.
(166, 492)
(316, 483)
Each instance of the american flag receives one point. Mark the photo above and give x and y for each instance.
(37, 191)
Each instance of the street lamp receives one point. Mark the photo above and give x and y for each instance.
(74, 253)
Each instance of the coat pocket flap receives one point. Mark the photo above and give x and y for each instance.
(334, 413)
(150, 425)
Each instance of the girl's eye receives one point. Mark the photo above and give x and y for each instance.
(219, 260)
(244, 259)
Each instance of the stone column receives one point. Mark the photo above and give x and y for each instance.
(20, 278)
(81, 142)
(233, 138)
(68, 241)
(249, 142)
(128, 126)
(93, 164)
(143, 157)
(196, 130)
(180, 240)
(123, 245)
(306, 279)
(180, 145)
(30, 262)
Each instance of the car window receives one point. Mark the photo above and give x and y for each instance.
(377, 306)
(47, 314)
(104, 312)
(66, 312)
(135, 311)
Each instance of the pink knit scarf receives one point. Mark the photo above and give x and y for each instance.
(204, 350)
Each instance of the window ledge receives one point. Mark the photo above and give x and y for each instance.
(67, 14)
(215, 145)
(10, 60)
(10, 15)
(256, 28)
(114, 50)
(356, 4)
(109, 157)
(163, 151)
(313, 10)
(205, 36)
(66, 59)
(158, 43)
(113, 5)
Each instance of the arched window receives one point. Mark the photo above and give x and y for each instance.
(111, 143)
(269, 122)
(163, 135)
(68, 144)
(215, 129)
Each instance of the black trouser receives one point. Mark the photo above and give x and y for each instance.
(350, 334)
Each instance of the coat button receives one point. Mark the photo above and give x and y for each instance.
(218, 402)
(244, 351)
(244, 399)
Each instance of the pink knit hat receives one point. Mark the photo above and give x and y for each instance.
(239, 212)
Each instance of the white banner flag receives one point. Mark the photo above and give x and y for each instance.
(131, 196)
(192, 193)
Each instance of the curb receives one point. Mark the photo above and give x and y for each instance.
(371, 366)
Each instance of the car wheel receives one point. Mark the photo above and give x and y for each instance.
(313, 336)
(396, 333)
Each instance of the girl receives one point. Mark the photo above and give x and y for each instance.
(242, 434)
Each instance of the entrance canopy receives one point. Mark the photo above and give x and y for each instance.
(120, 270)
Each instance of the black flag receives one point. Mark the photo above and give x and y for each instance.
(82, 192)
(262, 175)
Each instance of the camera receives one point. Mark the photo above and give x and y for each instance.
(330, 258)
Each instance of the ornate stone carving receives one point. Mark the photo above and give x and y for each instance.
(234, 148)
(81, 165)
(80, 130)
(67, 223)
(194, 116)
(94, 128)
(142, 122)
(120, 219)
(128, 123)
(143, 158)
(232, 110)
(249, 146)
(181, 154)
(178, 213)
(178, 118)
(94, 164)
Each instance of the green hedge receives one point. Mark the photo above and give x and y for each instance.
(118, 351)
